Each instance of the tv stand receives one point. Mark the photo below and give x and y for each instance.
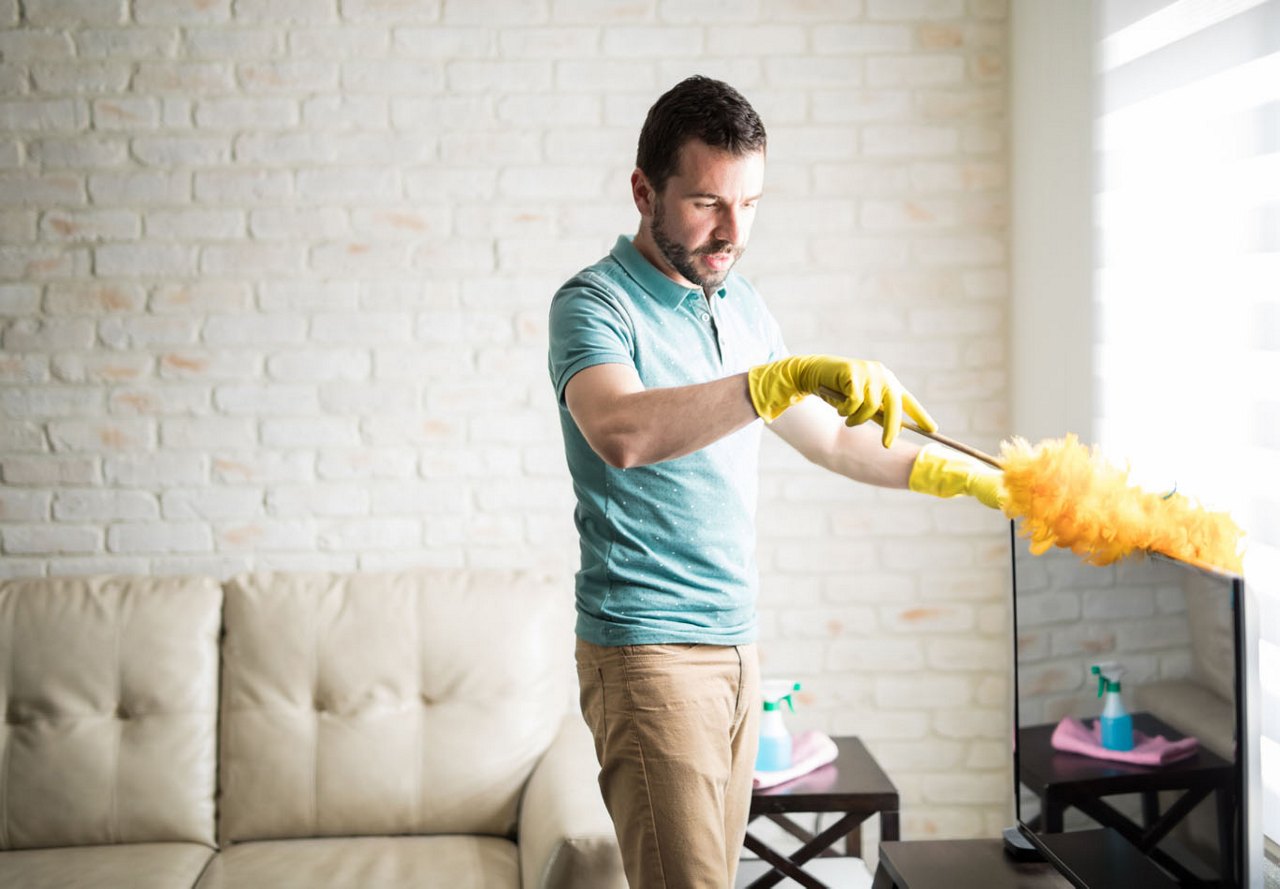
(1101, 859)
(1018, 847)
(960, 864)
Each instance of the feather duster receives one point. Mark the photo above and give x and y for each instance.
(1068, 495)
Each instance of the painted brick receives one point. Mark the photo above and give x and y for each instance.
(214, 42)
(199, 297)
(261, 467)
(48, 471)
(266, 534)
(145, 260)
(181, 12)
(262, 330)
(195, 364)
(159, 537)
(315, 431)
(104, 505)
(65, 13)
(49, 539)
(28, 45)
(155, 470)
(82, 78)
(340, 464)
(100, 367)
(169, 151)
(146, 331)
(203, 433)
(320, 365)
(326, 500)
(271, 400)
(291, 12)
(25, 403)
(19, 505)
(211, 503)
(127, 43)
(81, 151)
(160, 188)
(101, 436)
(362, 535)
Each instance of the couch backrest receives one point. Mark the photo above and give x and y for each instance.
(415, 702)
(109, 688)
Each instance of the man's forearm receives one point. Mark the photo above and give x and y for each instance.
(645, 426)
(856, 452)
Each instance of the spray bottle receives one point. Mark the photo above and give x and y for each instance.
(774, 752)
(1116, 723)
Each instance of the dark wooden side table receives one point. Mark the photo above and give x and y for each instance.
(853, 785)
(960, 864)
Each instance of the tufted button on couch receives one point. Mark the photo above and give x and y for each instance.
(295, 730)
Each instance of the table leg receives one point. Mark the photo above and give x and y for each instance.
(1051, 811)
(1225, 799)
(888, 826)
(1150, 808)
(883, 880)
(790, 867)
(853, 842)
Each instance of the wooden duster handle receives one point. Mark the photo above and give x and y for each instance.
(936, 436)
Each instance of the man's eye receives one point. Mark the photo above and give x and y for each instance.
(705, 205)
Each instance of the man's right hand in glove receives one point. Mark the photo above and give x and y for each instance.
(858, 390)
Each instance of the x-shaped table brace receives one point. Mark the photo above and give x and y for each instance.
(790, 866)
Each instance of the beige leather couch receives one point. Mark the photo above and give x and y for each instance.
(295, 730)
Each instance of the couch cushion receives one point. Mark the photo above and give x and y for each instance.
(408, 703)
(385, 862)
(132, 866)
(110, 691)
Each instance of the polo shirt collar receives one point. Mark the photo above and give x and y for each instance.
(668, 292)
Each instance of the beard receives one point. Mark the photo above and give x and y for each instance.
(682, 258)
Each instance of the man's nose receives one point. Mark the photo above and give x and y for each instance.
(729, 227)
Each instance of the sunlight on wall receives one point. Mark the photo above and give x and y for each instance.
(1187, 342)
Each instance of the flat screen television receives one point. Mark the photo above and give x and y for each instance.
(1186, 639)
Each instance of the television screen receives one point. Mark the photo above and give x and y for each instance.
(1151, 654)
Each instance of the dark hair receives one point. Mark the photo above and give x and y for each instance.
(696, 108)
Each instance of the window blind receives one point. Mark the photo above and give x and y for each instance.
(1187, 275)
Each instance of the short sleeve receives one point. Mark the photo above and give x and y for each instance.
(588, 326)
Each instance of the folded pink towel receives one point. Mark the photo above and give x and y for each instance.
(809, 750)
(1073, 736)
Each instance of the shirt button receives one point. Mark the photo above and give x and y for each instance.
(706, 317)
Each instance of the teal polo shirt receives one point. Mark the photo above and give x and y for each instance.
(667, 550)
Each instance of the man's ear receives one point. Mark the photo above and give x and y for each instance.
(642, 193)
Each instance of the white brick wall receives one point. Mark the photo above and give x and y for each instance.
(273, 289)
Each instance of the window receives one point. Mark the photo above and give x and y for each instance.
(1187, 274)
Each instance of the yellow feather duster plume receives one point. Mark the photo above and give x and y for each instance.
(1068, 495)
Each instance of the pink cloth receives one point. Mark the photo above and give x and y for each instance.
(809, 750)
(1073, 736)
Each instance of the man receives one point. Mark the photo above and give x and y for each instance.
(663, 360)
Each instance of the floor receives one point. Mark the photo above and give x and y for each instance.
(846, 873)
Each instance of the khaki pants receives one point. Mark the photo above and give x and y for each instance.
(675, 730)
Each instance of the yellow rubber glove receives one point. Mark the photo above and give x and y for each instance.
(857, 389)
(942, 472)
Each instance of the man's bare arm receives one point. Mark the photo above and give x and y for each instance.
(856, 452)
(629, 425)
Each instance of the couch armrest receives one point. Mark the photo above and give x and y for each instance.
(565, 835)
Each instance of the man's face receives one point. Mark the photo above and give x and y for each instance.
(702, 218)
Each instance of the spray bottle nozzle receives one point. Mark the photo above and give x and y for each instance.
(775, 691)
(1108, 674)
